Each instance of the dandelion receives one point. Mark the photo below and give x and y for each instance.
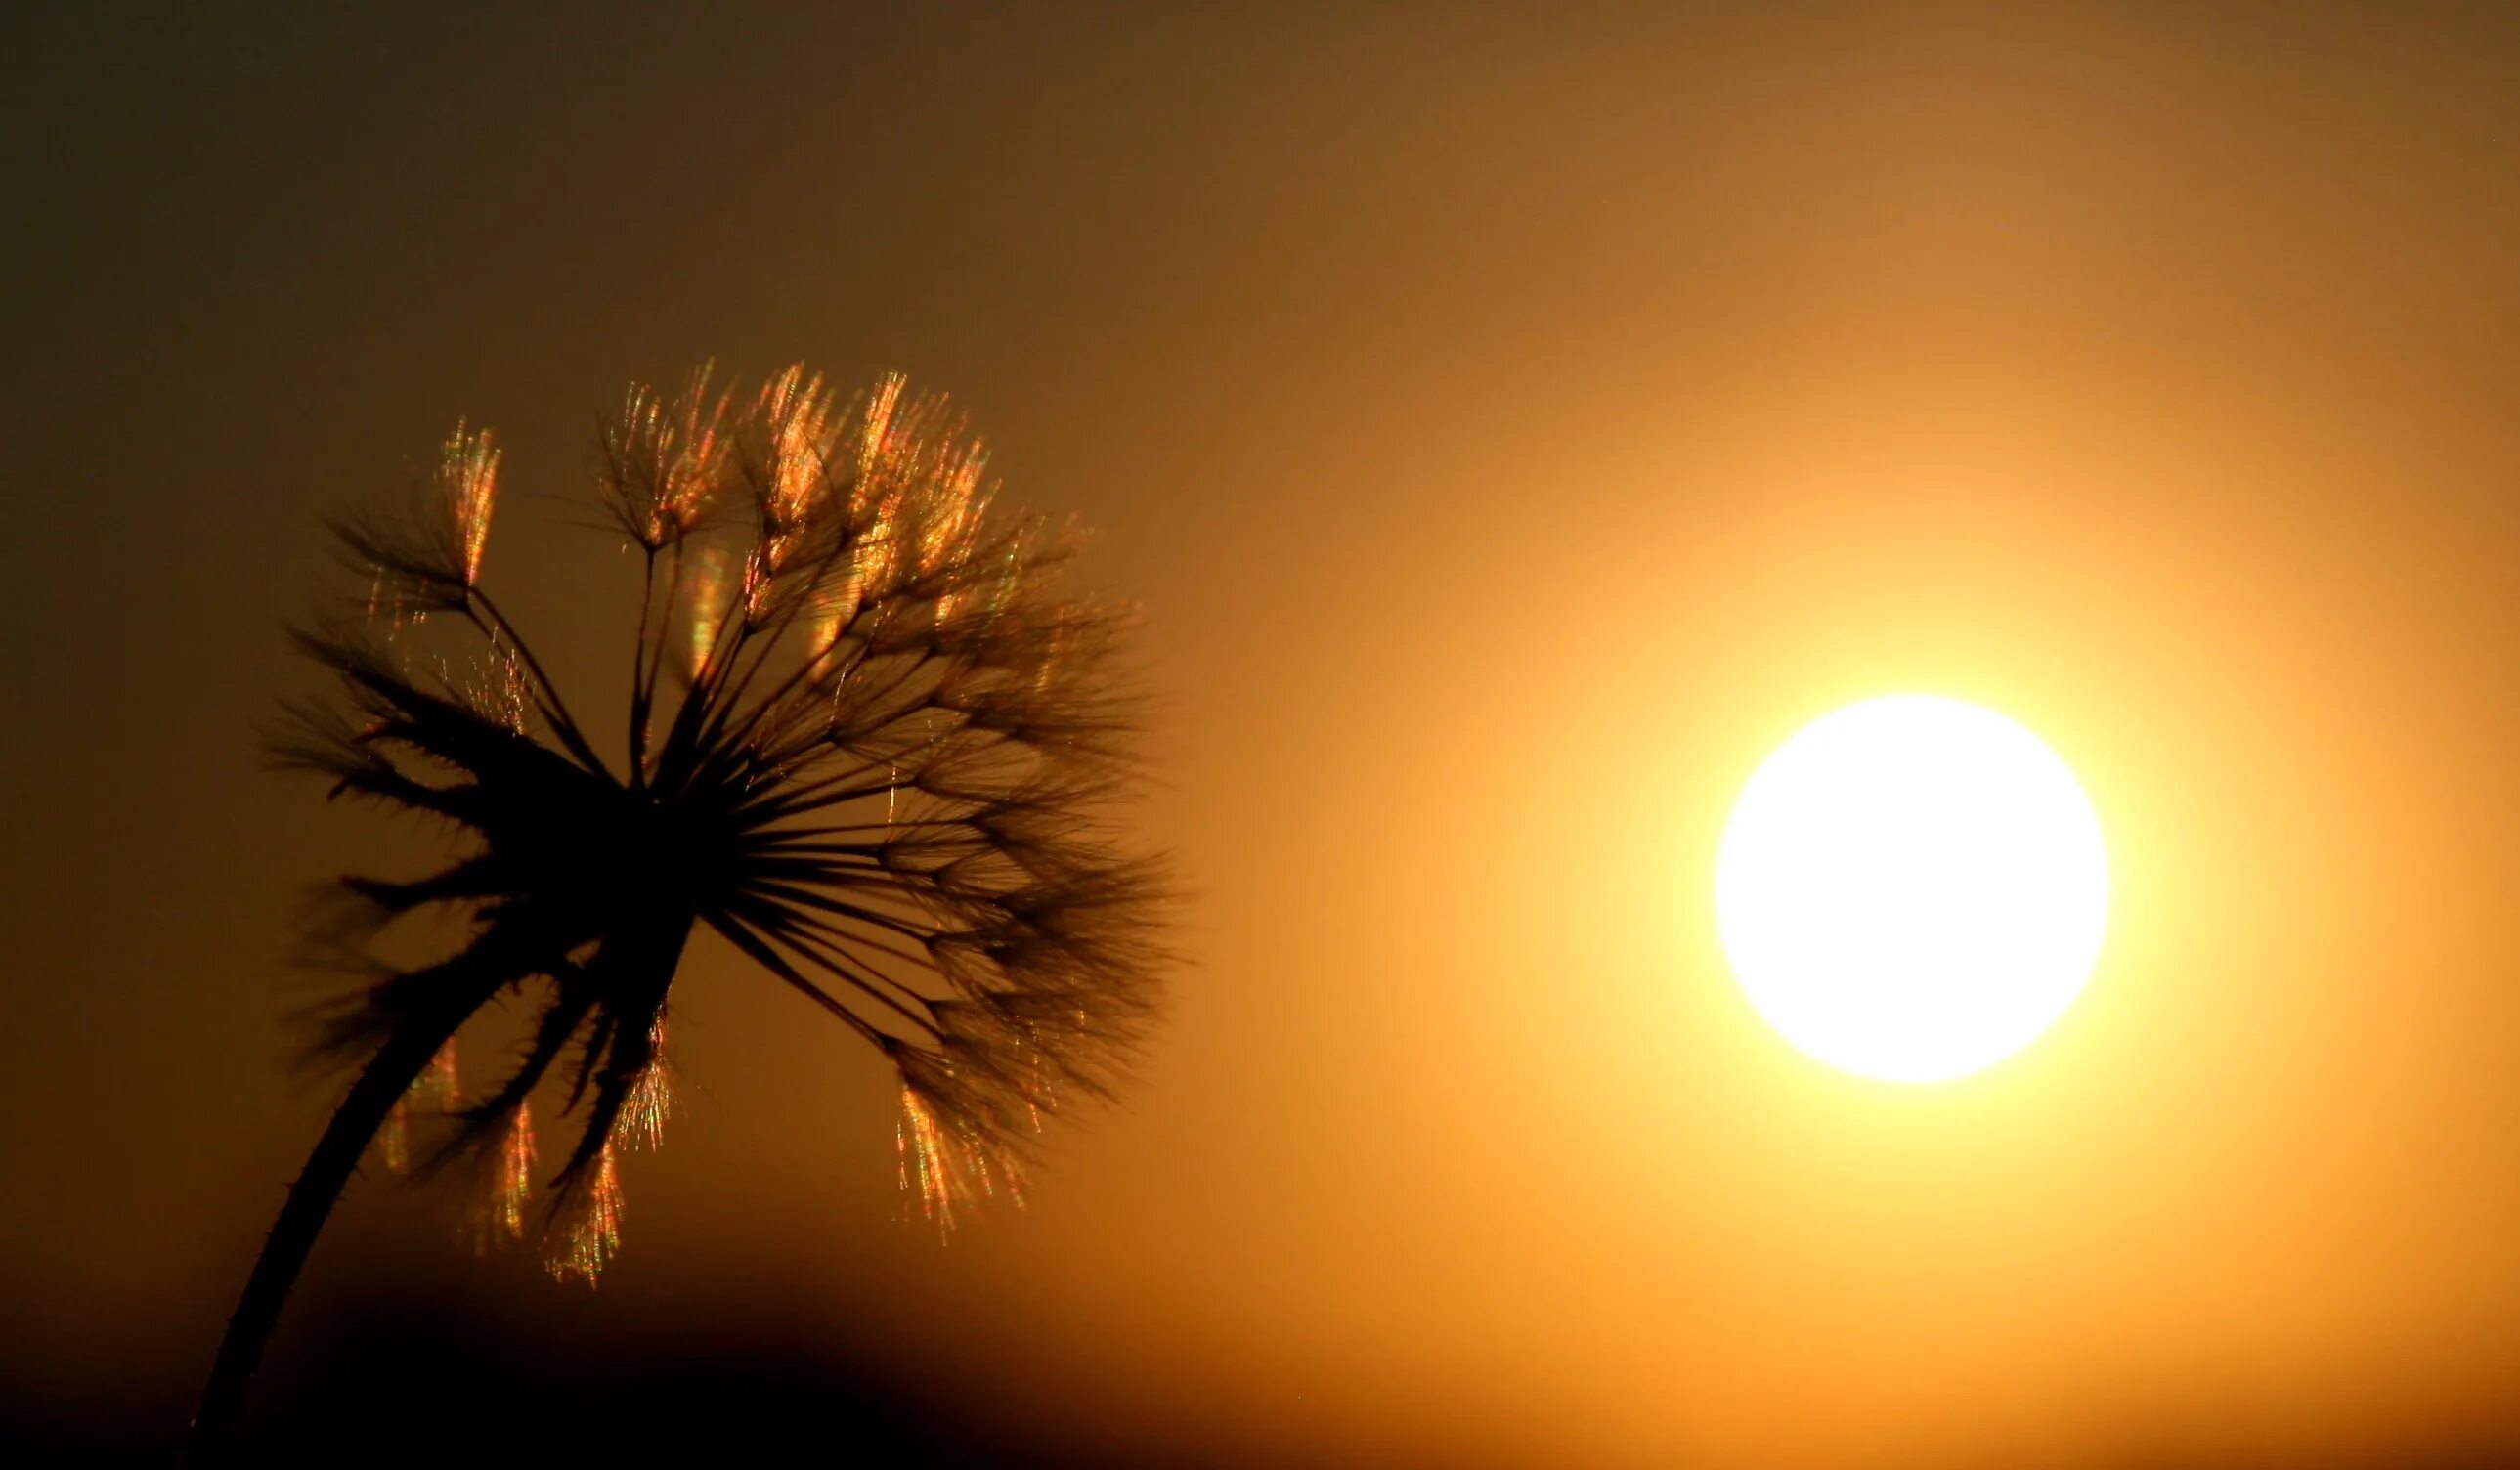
(872, 740)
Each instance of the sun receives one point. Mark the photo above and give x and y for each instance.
(1913, 888)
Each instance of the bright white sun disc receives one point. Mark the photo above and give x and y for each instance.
(1913, 888)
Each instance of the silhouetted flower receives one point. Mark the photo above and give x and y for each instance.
(870, 740)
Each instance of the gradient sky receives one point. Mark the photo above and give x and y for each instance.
(1515, 422)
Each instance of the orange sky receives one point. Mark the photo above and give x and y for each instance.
(1514, 423)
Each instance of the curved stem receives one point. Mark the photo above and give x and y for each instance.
(386, 1078)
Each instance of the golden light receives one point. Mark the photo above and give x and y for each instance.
(1913, 888)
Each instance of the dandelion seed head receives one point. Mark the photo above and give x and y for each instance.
(886, 780)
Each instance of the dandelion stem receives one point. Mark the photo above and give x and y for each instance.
(388, 1076)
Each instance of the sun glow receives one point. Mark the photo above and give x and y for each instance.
(1913, 888)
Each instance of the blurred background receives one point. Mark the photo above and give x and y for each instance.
(1514, 420)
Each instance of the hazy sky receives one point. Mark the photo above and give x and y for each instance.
(1514, 423)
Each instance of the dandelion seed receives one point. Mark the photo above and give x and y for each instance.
(595, 1237)
(468, 468)
(517, 1172)
(651, 1099)
(500, 1213)
(872, 438)
(926, 1160)
(801, 433)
